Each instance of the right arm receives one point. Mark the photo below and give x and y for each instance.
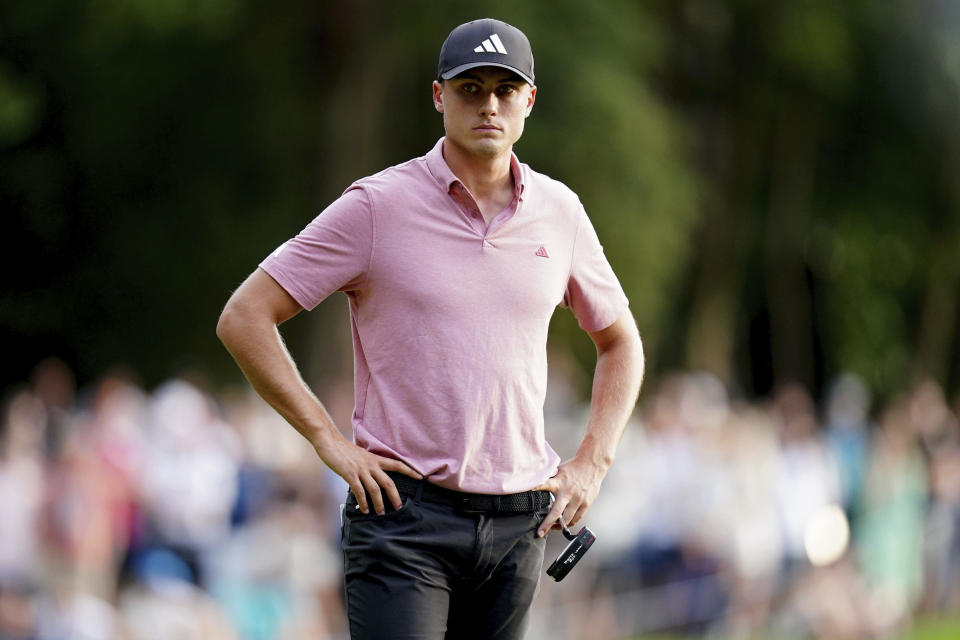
(248, 329)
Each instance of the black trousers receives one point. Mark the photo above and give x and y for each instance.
(432, 571)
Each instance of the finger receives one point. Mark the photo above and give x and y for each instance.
(551, 484)
(396, 465)
(388, 485)
(582, 512)
(576, 515)
(552, 516)
(356, 487)
(376, 497)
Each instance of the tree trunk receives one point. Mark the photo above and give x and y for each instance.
(788, 222)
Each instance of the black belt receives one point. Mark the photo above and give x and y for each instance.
(526, 502)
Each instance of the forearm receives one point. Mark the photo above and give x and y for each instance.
(259, 351)
(616, 385)
(252, 338)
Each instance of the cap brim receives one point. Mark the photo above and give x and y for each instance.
(472, 65)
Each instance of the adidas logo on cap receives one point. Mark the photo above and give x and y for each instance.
(491, 45)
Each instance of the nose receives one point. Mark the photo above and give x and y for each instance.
(488, 107)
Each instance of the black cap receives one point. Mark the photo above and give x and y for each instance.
(486, 43)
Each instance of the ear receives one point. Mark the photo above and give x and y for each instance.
(530, 100)
(438, 96)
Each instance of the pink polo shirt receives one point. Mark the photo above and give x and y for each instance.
(450, 317)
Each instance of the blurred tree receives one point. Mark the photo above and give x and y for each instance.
(165, 145)
(829, 239)
(774, 183)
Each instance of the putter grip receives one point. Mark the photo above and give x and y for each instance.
(572, 554)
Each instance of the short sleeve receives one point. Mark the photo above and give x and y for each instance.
(332, 253)
(593, 293)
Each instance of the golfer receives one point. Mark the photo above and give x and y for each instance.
(453, 264)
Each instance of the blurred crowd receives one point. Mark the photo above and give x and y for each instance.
(172, 514)
(180, 513)
(786, 517)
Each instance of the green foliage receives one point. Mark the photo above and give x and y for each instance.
(20, 107)
(152, 153)
(168, 155)
(813, 42)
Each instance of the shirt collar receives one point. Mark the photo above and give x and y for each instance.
(441, 172)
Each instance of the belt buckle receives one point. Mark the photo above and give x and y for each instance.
(466, 506)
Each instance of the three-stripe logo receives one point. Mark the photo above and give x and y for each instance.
(492, 45)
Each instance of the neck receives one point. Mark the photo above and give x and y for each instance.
(482, 175)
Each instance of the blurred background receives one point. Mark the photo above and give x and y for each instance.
(771, 182)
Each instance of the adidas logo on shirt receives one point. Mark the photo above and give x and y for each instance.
(491, 45)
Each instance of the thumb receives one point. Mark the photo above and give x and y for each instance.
(550, 485)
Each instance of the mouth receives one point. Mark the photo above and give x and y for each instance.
(486, 127)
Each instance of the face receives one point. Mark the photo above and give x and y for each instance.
(484, 109)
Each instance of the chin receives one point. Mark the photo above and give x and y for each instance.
(487, 150)
(489, 147)
(480, 146)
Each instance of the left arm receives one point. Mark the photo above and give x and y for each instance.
(616, 384)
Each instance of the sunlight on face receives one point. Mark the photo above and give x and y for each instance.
(484, 109)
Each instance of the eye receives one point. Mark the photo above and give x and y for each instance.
(470, 87)
(506, 89)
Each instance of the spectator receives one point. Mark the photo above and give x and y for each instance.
(190, 478)
(808, 477)
(847, 424)
(890, 538)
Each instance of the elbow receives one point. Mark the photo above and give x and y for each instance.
(632, 350)
(631, 344)
(636, 356)
(223, 326)
(640, 360)
(241, 320)
(621, 342)
(226, 324)
(638, 348)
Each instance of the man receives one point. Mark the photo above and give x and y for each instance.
(453, 264)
